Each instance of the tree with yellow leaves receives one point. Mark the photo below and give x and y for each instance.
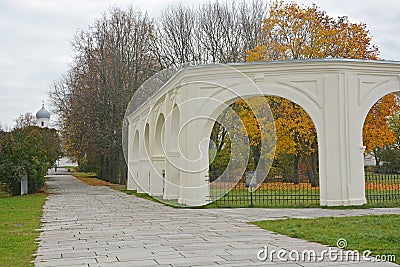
(377, 133)
(295, 32)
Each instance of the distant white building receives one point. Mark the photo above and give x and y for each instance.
(43, 117)
(66, 162)
(43, 121)
(369, 160)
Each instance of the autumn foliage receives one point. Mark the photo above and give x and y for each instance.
(376, 132)
(121, 50)
(295, 32)
(125, 47)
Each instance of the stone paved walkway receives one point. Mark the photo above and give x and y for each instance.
(96, 226)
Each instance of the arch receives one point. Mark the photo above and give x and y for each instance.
(175, 123)
(314, 182)
(157, 172)
(135, 146)
(146, 150)
(378, 92)
(374, 96)
(380, 153)
(301, 99)
(309, 105)
(208, 108)
(158, 136)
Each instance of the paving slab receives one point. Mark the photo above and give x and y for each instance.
(86, 225)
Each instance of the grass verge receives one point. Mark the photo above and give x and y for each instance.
(19, 217)
(240, 203)
(377, 233)
(91, 178)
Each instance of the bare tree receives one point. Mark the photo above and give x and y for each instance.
(112, 59)
(25, 120)
(174, 41)
(212, 32)
(123, 49)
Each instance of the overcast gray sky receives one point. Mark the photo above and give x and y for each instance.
(35, 39)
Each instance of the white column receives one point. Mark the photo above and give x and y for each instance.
(156, 179)
(340, 142)
(194, 148)
(195, 174)
(132, 174)
(172, 160)
(144, 176)
(144, 162)
(130, 183)
(172, 182)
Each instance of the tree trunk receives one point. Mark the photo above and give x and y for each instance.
(296, 163)
(377, 159)
(256, 155)
(123, 169)
(313, 170)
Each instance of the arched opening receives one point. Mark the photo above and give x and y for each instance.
(381, 139)
(158, 137)
(146, 141)
(175, 121)
(135, 147)
(157, 179)
(292, 180)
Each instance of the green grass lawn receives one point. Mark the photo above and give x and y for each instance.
(19, 217)
(377, 233)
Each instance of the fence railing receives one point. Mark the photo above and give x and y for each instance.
(279, 189)
(382, 186)
(286, 189)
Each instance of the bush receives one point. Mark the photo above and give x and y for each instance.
(391, 159)
(30, 150)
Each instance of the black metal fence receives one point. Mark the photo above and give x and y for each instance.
(277, 189)
(285, 189)
(382, 186)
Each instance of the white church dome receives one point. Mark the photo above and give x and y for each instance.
(43, 113)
